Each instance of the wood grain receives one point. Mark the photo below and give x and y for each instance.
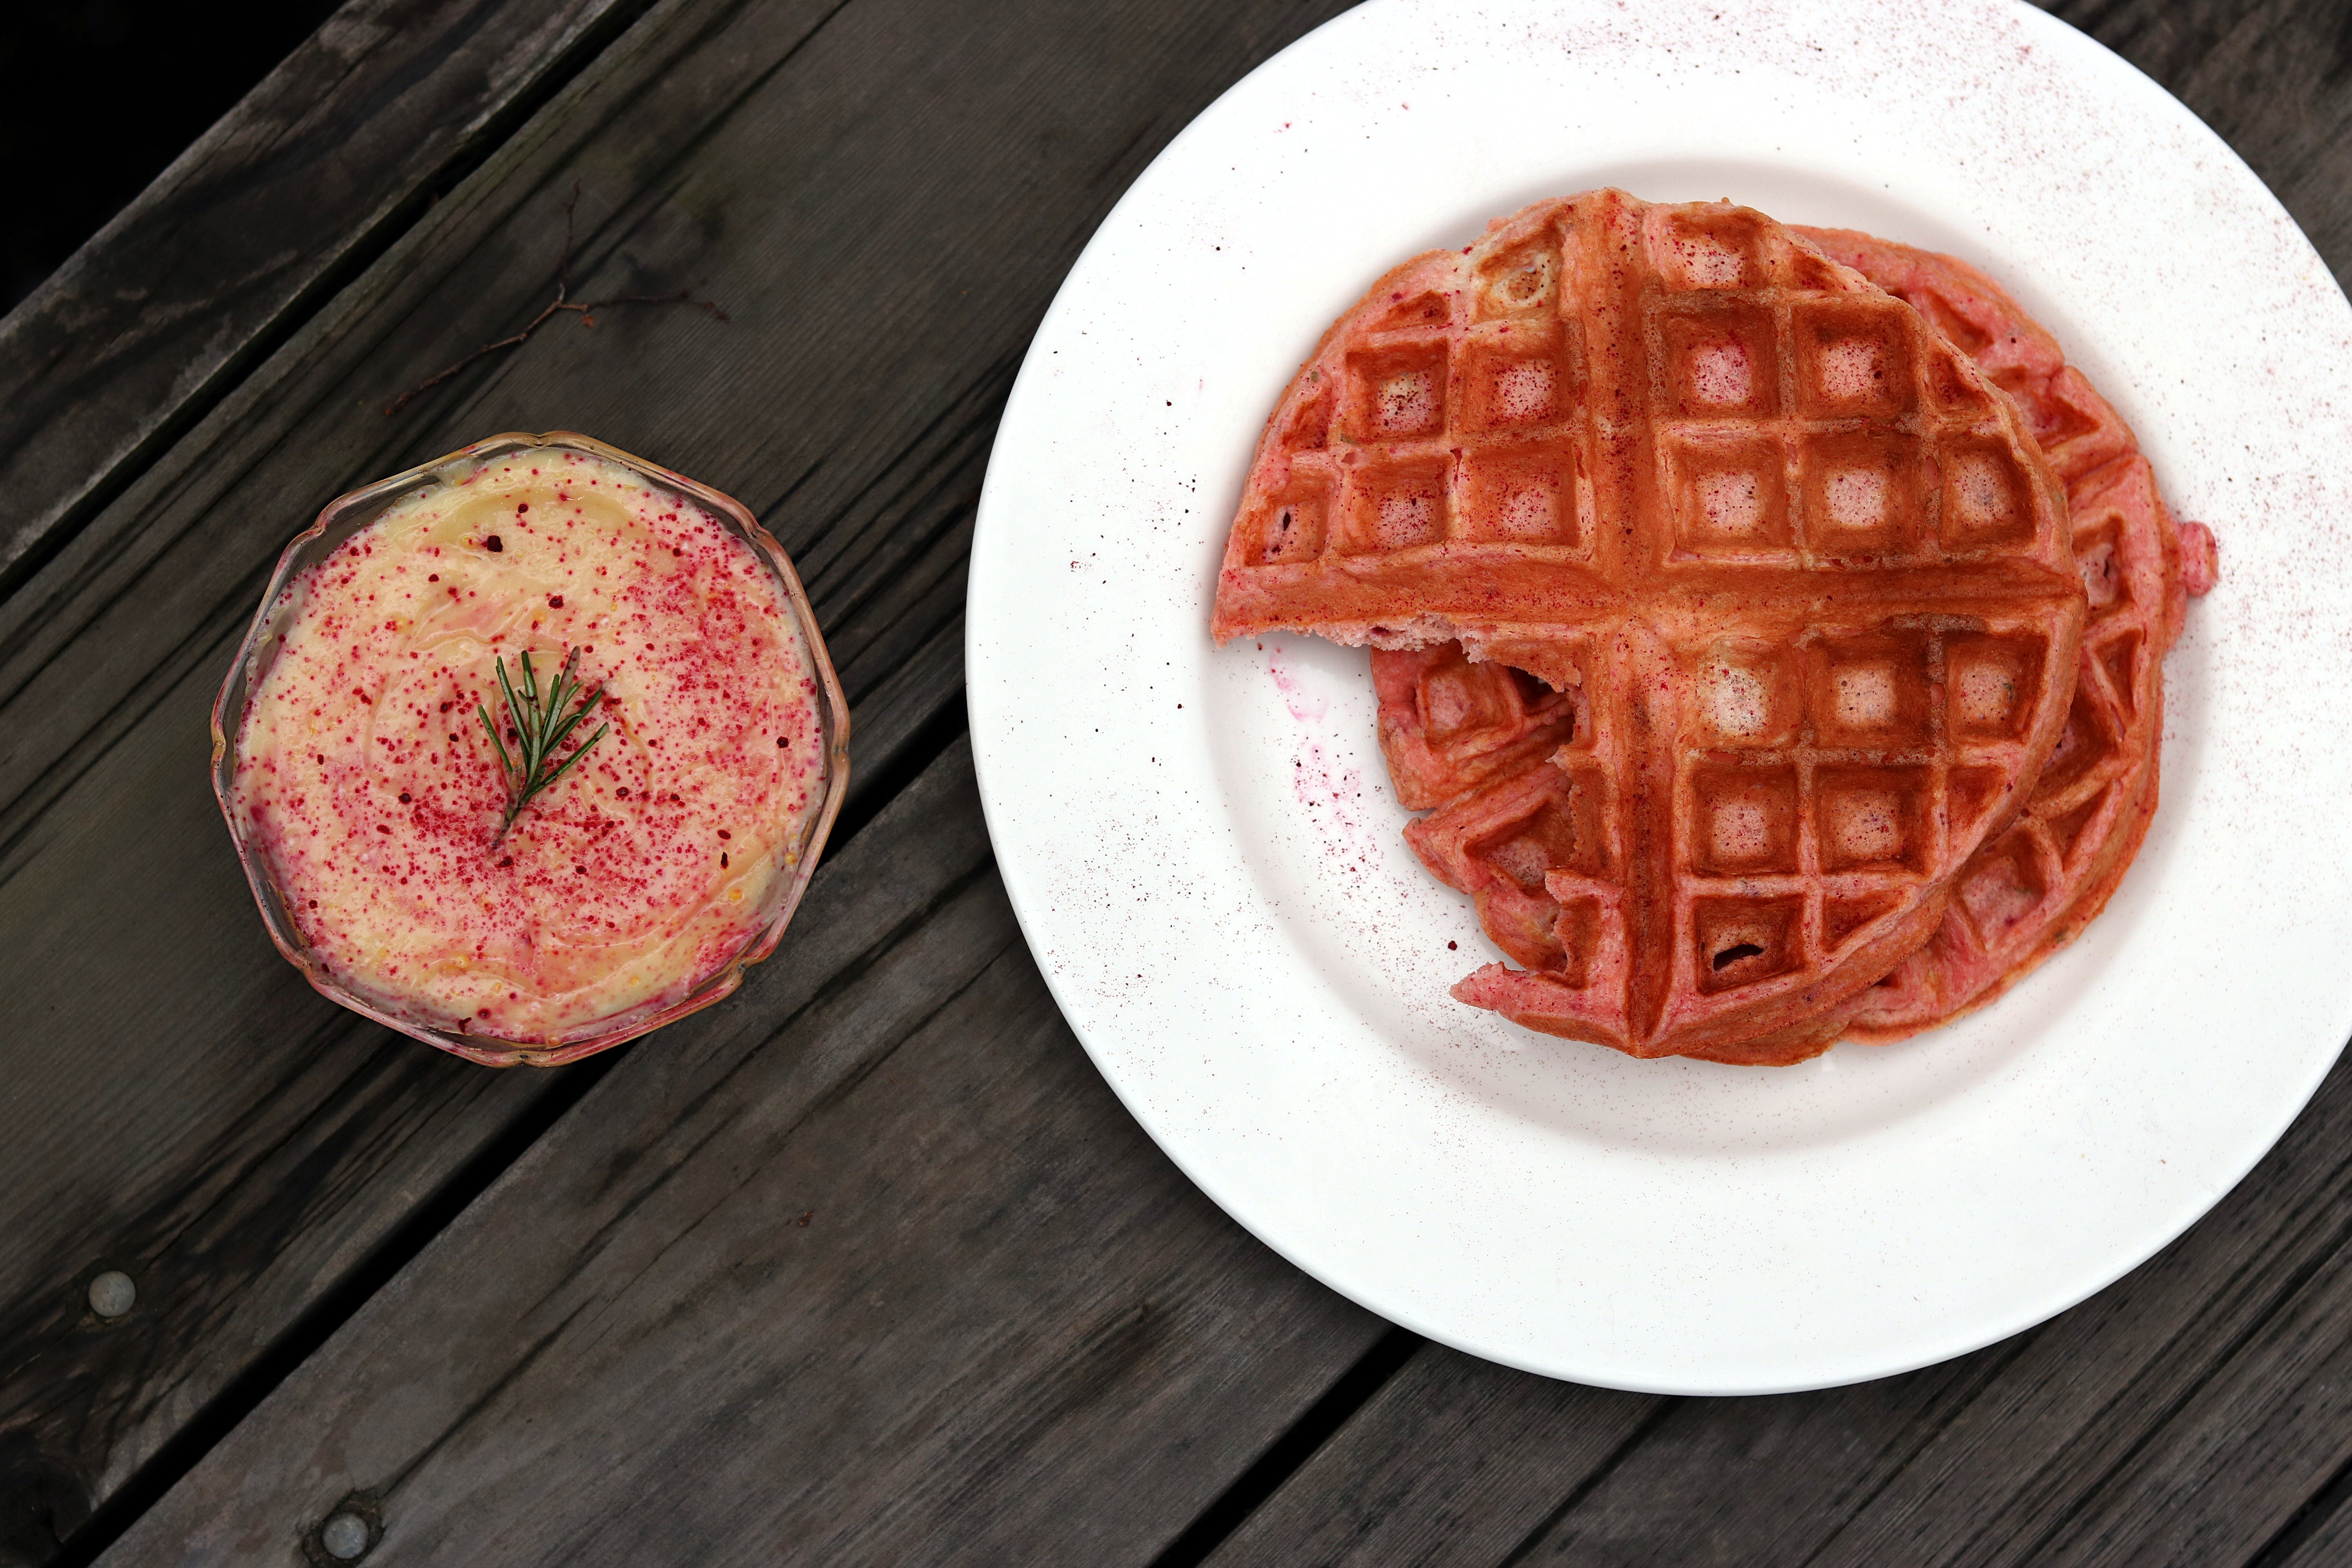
(954, 1359)
(1453, 1460)
(258, 1149)
(2183, 1415)
(342, 145)
(872, 1270)
(285, 1140)
(2189, 1415)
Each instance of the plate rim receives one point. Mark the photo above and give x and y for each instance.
(986, 672)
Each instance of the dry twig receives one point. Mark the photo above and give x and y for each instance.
(587, 312)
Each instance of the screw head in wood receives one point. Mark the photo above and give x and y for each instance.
(345, 1536)
(113, 1294)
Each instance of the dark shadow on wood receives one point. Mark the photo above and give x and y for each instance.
(360, 254)
(920, 750)
(56, 61)
(2313, 1516)
(1281, 1459)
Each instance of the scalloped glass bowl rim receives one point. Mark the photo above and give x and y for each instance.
(344, 516)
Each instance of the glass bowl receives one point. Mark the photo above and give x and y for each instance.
(345, 516)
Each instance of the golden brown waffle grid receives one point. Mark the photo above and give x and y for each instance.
(1801, 562)
(2038, 884)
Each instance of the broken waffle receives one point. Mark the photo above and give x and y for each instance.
(2030, 890)
(1797, 566)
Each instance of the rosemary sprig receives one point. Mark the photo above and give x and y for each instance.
(540, 726)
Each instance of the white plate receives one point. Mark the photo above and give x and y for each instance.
(1204, 854)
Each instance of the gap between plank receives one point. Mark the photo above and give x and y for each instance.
(2162, 1419)
(1284, 1457)
(2316, 1512)
(224, 1410)
(929, 741)
(222, 1414)
(363, 251)
(1584, 1488)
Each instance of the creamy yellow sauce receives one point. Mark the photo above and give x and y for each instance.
(371, 788)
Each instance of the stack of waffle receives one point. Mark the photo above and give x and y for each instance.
(1770, 622)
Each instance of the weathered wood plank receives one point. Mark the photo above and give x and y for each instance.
(2122, 1390)
(874, 1270)
(74, 661)
(300, 1154)
(2182, 1416)
(1453, 1460)
(341, 146)
(2228, 1470)
(261, 1148)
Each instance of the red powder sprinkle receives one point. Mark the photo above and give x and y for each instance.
(647, 865)
(494, 544)
(521, 507)
(434, 577)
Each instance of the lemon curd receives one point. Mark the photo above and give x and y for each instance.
(369, 786)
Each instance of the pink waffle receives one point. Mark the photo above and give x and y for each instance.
(1749, 524)
(2030, 891)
